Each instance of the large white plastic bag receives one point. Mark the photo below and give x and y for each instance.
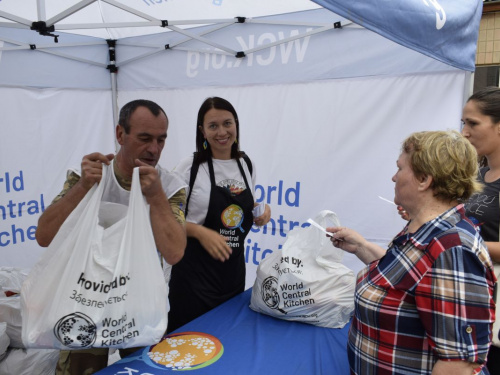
(29, 362)
(11, 280)
(96, 286)
(306, 281)
(4, 340)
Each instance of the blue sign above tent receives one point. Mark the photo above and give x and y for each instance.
(446, 30)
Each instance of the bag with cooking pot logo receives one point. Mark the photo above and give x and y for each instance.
(100, 282)
(306, 281)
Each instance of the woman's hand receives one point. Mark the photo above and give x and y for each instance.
(346, 239)
(354, 243)
(264, 218)
(214, 244)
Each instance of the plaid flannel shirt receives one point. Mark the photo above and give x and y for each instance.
(429, 298)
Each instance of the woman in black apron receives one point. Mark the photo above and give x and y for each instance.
(219, 217)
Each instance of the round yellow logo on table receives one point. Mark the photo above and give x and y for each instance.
(186, 351)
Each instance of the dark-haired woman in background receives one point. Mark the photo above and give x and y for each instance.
(481, 126)
(218, 216)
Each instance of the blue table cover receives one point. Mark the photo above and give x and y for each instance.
(254, 343)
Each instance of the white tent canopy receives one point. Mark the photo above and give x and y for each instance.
(324, 102)
(445, 32)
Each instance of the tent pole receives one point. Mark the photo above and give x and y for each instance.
(113, 70)
(114, 103)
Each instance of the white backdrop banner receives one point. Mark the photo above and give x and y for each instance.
(322, 145)
(43, 133)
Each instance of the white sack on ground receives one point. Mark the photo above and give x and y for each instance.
(4, 340)
(29, 362)
(11, 280)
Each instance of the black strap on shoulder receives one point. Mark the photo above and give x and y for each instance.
(248, 161)
(194, 172)
(192, 177)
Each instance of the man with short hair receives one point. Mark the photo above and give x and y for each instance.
(141, 133)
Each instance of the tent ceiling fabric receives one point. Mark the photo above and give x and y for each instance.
(298, 47)
(116, 19)
(445, 30)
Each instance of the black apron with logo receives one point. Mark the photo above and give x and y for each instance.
(198, 282)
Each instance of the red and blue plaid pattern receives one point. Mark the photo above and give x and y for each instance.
(429, 298)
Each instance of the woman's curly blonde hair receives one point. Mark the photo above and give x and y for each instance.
(449, 158)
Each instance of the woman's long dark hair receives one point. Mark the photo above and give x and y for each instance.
(201, 155)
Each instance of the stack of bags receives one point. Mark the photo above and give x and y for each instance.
(14, 357)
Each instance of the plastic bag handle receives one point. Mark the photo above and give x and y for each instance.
(327, 218)
(137, 201)
(98, 188)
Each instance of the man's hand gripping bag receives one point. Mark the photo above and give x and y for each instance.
(98, 286)
(306, 280)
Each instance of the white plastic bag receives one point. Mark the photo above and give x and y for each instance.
(10, 313)
(11, 280)
(96, 286)
(29, 362)
(4, 340)
(306, 281)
